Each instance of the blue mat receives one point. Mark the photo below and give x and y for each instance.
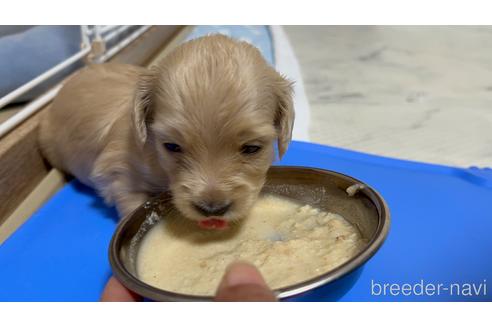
(441, 233)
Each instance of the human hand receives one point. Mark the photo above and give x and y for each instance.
(241, 282)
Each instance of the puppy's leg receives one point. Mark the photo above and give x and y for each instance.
(120, 193)
(126, 204)
(114, 183)
(116, 190)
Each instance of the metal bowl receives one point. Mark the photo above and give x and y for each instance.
(323, 189)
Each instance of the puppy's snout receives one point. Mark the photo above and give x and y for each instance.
(212, 208)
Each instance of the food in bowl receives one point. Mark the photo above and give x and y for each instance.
(288, 242)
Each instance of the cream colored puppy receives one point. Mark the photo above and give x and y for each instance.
(202, 124)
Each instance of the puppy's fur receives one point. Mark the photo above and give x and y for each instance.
(211, 96)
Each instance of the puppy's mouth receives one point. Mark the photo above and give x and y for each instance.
(213, 223)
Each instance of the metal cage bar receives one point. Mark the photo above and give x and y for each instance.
(89, 35)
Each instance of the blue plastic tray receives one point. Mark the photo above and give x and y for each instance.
(441, 233)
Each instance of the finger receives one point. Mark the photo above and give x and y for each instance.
(243, 282)
(116, 292)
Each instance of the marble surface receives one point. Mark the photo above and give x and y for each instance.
(418, 93)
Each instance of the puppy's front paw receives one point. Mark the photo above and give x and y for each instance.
(130, 202)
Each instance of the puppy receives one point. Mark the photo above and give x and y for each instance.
(201, 124)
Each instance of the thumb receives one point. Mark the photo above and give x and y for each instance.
(116, 292)
(243, 282)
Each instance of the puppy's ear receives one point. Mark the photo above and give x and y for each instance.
(284, 118)
(141, 114)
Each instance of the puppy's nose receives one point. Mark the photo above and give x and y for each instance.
(212, 208)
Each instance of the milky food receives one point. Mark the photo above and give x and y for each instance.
(288, 242)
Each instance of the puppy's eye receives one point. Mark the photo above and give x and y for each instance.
(250, 149)
(172, 147)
